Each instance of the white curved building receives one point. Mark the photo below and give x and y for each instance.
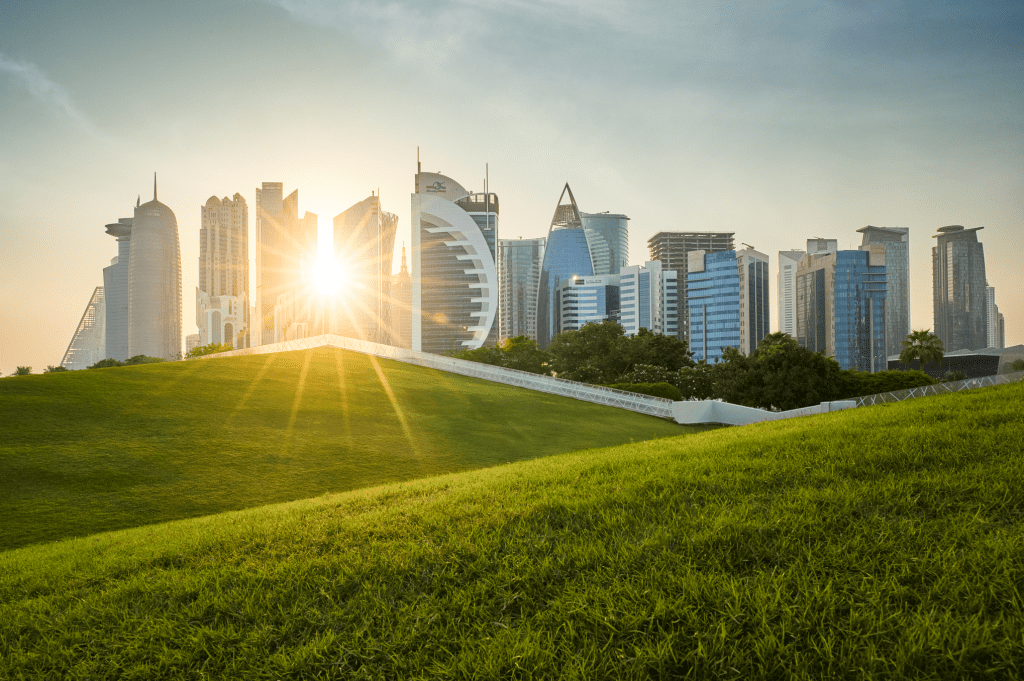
(454, 275)
(154, 282)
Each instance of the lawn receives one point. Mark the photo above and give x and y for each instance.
(87, 451)
(877, 543)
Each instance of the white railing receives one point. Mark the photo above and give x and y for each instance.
(643, 404)
(939, 388)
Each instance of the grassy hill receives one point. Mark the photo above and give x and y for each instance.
(881, 542)
(87, 451)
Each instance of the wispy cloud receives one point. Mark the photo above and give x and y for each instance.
(52, 94)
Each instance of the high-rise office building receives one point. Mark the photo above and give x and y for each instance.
(728, 301)
(586, 300)
(401, 306)
(89, 343)
(897, 273)
(566, 256)
(786, 290)
(671, 248)
(222, 297)
(286, 250)
(841, 306)
(994, 320)
(519, 263)
(649, 299)
(608, 237)
(958, 288)
(364, 248)
(115, 292)
(154, 282)
(454, 270)
(819, 245)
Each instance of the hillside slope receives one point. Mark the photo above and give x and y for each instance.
(87, 451)
(882, 542)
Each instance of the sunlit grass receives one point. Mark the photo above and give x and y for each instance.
(877, 543)
(86, 451)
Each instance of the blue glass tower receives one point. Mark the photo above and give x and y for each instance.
(714, 304)
(567, 255)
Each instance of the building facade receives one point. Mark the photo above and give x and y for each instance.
(841, 298)
(896, 241)
(286, 250)
(454, 269)
(608, 238)
(995, 325)
(728, 301)
(672, 249)
(786, 290)
(566, 256)
(401, 306)
(585, 300)
(958, 288)
(222, 297)
(117, 323)
(364, 248)
(154, 282)
(89, 343)
(649, 299)
(519, 265)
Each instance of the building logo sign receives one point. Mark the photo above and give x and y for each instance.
(437, 187)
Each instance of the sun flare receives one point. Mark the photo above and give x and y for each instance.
(328, 276)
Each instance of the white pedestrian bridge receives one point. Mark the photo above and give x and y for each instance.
(689, 412)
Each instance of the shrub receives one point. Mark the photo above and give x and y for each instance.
(951, 376)
(1018, 365)
(50, 369)
(22, 371)
(649, 373)
(854, 383)
(142, 359)
(209, 349)
(104, 363)
(665, 390)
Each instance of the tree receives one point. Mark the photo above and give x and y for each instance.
(600, 346)
(142, 359)
(50, 369)
(785, 375)
(655, 349)
(1018, 365)
(209, 349)
(922, 345)
(104, 363)
(22, 371)
(523, 354)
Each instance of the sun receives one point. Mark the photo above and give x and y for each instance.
(328, 276)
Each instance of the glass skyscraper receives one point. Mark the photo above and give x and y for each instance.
(897, 272)
(958, 289)
(582, 300)
(454, 269)
(841, 303)
(519, 264)
(649, 299)
(566, 256)
(608, 236)
(728, 301)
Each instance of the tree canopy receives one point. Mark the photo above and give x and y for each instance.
(922, 345)
(209, 349)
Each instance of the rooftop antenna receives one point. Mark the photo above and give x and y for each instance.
(748, 246)
(419, 169)
(154, 186)
(138, 201)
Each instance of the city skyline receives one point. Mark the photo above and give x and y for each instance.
(778, 123)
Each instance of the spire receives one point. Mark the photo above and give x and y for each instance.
(403, 270)
(567, 215)
(138, 201)
(154, 186)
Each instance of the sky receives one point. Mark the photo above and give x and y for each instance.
(779, 121)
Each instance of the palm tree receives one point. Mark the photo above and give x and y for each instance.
(923, 345)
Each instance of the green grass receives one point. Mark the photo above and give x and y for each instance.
(877, 543)
(87, 451)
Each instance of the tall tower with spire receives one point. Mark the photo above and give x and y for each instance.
(154, 282)
(401, 306)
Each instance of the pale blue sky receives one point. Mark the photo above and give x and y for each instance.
(777, 120)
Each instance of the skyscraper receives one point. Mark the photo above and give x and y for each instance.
(519, 263)
(897, 273)
(671, 248)
(993, 319)
(88, 344)
(115, 291)
(364, 248)
(958, 288)
(401, 306)
(787, 290)
(649, 299)
(154, 282)
(585, 300)
(608, 237)
(222, 297)
(728, 301)
(841, 306)
(566, 256)
(285, 254)
(454, 271)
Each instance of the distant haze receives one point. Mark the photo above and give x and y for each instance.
(778, 121)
